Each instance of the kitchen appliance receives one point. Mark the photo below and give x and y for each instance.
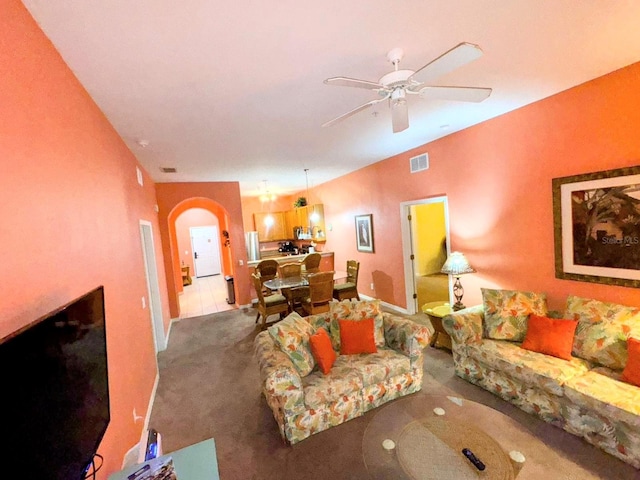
(287, 247)
(252, 242)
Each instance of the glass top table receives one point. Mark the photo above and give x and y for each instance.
(289, 282)
(428, 433)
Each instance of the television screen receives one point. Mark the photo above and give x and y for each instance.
(54, 391)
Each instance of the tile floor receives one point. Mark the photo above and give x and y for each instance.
(205, 295)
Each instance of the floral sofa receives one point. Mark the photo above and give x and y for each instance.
(305, 401)
(585, 395)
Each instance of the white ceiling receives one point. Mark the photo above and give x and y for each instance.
(233, 90)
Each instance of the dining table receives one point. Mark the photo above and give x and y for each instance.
(296, 282)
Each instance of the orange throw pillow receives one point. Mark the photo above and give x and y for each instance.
(322, 350)
(357, 336)
(550, 336)
(631, 372)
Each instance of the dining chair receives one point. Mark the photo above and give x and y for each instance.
(349, 289)
(320, 293)
(311, 262)
(268, 305)
(267, 270)
(293, 295)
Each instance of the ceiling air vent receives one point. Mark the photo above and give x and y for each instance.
(419, 163)
(168, 169)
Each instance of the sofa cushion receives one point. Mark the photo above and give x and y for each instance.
(550, 336)
(506, 312)
(374, 368)
(615, 400)
(342, 380)
(603, 329)
(292, 336)
(631, 372)
(356, 336)
(531, 368)
(355, 310)
(322, 350)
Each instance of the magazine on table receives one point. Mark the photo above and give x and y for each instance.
(157, 469)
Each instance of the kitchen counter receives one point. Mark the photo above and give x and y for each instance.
(288, 258)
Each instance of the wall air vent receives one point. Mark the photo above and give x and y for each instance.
(419, 163)
(168, 169)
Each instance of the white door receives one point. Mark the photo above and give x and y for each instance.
(205, 245)
(153, 287)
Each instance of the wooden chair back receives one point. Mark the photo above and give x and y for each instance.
(320, 292)
(353, 266)
(290, 270)
(267, 269)
(312, 262)
(279, 306)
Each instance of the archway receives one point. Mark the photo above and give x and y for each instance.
(226, 254)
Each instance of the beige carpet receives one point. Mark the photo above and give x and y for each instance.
(209, 387)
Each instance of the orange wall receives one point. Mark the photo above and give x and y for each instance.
(223, 200)
(497, 176)
(194, 217)
(71, 208)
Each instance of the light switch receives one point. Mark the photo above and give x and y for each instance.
(144, 302)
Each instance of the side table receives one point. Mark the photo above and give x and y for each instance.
(436, 311)
(195, 462)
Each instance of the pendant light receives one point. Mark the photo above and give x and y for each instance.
(267, 197)
(314, 217)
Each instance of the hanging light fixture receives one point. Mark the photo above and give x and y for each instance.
(314, 217)
(267, 197)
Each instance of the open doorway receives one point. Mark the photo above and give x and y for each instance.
(153, 287)
(425, 244)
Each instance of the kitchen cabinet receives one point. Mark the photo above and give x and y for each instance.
(290, 222)
(270, 231)
(311, 217)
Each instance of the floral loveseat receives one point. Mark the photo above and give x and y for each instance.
(585, 395)
(305, 401)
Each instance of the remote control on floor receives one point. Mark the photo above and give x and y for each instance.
(473, 459)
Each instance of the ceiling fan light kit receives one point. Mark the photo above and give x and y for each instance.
(396, 85)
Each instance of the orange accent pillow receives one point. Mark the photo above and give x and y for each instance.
(631, 372)
(550, 336)
(357, 336)
(322, 350)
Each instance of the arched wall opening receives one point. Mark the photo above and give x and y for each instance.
(226, 253)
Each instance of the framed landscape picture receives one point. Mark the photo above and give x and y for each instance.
(364, 233)
(596, 220)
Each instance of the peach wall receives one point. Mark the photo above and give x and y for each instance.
(194, 217)
(497, 176)
(223, 200)
(71, 208)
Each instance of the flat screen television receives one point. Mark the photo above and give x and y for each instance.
(54, 391)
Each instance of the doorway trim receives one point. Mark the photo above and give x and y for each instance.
(153, 286)
(407, 246)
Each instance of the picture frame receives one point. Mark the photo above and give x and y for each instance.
(364, 233)
(596, 218)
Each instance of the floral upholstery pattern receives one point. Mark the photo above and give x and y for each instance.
(466, 325)
(506, 312)
(306, 404)
(584, 396)
(603, 329)
(405, 336)
(530, 368)
(292, 335)
(355, 310)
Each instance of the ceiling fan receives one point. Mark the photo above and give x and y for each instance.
(398, 84)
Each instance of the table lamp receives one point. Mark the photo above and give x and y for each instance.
(456, 265)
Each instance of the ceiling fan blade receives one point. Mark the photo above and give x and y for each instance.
(399, 115)
(447, 62)
(354, 111)
(458, 94)
(352, 82)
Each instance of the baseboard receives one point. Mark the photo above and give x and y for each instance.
(131, 457)
(390, 306)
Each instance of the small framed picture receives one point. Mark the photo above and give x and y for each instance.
(364, 233)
